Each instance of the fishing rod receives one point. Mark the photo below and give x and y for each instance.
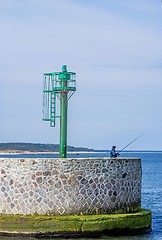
(132, 141)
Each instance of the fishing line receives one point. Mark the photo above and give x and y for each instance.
(132, 141)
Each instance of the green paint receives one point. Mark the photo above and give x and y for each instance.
(77, 224)
(61, 84)
(64, 77)
(63, 124)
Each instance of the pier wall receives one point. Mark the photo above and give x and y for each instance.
(70, 186)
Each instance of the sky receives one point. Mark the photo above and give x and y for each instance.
(115, 48)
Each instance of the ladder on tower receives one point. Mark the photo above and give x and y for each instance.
(53, 109)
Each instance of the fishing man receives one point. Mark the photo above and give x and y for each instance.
(113, 153)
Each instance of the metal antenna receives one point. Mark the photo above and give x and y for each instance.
(63, 85)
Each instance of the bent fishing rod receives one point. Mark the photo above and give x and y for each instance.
(132, 142)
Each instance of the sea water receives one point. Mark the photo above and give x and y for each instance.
(151, 191)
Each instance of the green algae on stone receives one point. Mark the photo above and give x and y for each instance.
(76, 224)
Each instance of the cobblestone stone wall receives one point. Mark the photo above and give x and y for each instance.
(69, 186)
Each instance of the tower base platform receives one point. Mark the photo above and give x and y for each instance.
(76, 225)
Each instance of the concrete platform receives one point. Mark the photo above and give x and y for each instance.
(76, 225)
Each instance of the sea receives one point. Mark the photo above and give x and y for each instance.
(151, 190)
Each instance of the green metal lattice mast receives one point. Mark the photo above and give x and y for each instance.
(63, 85)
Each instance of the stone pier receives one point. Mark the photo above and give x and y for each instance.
(72, 190)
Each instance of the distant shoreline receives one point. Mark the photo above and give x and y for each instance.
(27, 152)
(38, 148)
(40, 152)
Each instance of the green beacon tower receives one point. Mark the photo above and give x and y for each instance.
(63, 85)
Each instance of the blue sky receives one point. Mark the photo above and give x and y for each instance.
(115, 48)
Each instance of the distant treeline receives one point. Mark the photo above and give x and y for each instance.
(39, 147)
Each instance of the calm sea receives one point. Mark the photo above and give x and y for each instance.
(151, 190)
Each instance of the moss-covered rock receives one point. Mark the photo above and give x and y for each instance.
(77, 225)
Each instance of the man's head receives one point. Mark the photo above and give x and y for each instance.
(113, 147)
